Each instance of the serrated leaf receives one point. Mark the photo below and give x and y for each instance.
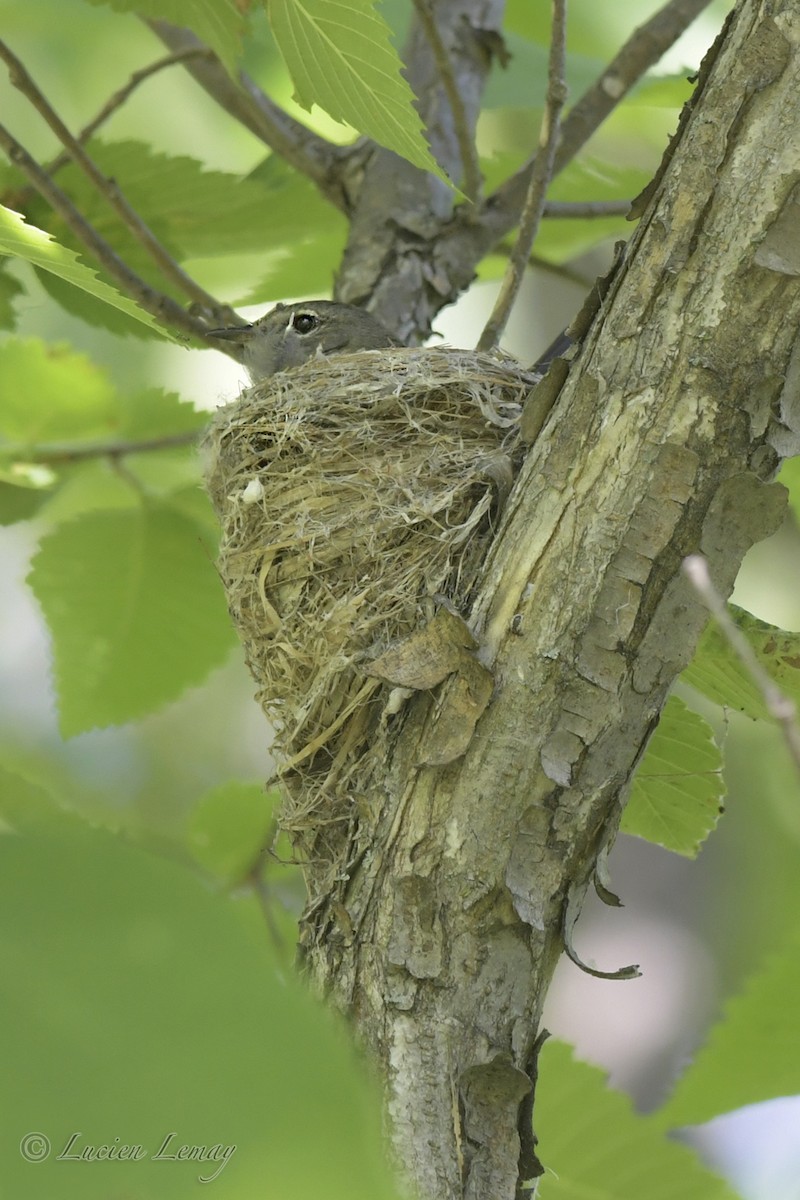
(228, 829)
(152, 413)
(26, 805)
(592, 1143)
(78, 303)
(135, 610)
(51, 393)
(204, 217)
(41, 250)
(216, 22)
(718, 674)
(339, 55)
(310, 266)
(752, 1053)
(19, 503)
(88, 487)
(677, 792)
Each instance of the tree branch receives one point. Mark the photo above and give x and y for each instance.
(69, 452)
(467, 240)
(472, 178)
(320, 160)
(399, 212)
(643, 49)
(116, 101)
(108, 188)
(442, 934)
(778, 704)
(409, 252)
(541, 175)
(581, 210)
(159, 305)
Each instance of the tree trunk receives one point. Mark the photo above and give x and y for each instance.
(443, 941)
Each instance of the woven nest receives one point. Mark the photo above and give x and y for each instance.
(351, 491)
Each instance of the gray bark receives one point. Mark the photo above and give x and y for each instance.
(442, 942)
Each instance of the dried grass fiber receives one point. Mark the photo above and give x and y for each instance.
(351, 490)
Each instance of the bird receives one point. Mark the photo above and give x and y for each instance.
(291, 334)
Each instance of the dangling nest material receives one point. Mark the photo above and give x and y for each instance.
(352, 490)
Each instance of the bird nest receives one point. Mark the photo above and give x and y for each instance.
(351, 492)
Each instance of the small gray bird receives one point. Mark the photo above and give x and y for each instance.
(291, 334)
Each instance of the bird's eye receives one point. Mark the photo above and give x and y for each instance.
(304, 322)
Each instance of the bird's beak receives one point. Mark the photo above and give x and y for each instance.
(236, 336)
(231, 333)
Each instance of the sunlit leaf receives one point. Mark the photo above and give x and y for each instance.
(677, 792)
(717, 672)
(41, 250)
(340, 57)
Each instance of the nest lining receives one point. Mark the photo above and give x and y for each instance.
(350, 491)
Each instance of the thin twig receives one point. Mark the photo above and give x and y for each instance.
(540, 179)
(67, 452)
(105, 186)
(575, 210)
(643, 49)
(778, 705)
(162, 307)
(312, 155)
(118, 99)
(470, 165)
(561, 270)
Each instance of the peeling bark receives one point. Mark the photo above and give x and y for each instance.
(442, 941)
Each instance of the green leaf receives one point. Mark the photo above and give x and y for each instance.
(135, 609)
(77, 303)
(308, 236)
(216, 22)
(662, 91)
(50, 393)
(25, 804)
(676, 798)
(194, 211)
(39, 248)
(789, 476)
(9, 289)
(228, 829)
(211, 222)
(592, 1143)
(339, 56)
(752, 1054)
(718, 674)
(160, 1002)
(152, 413)
(87, 487)
(19, 503)
(523, 82)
